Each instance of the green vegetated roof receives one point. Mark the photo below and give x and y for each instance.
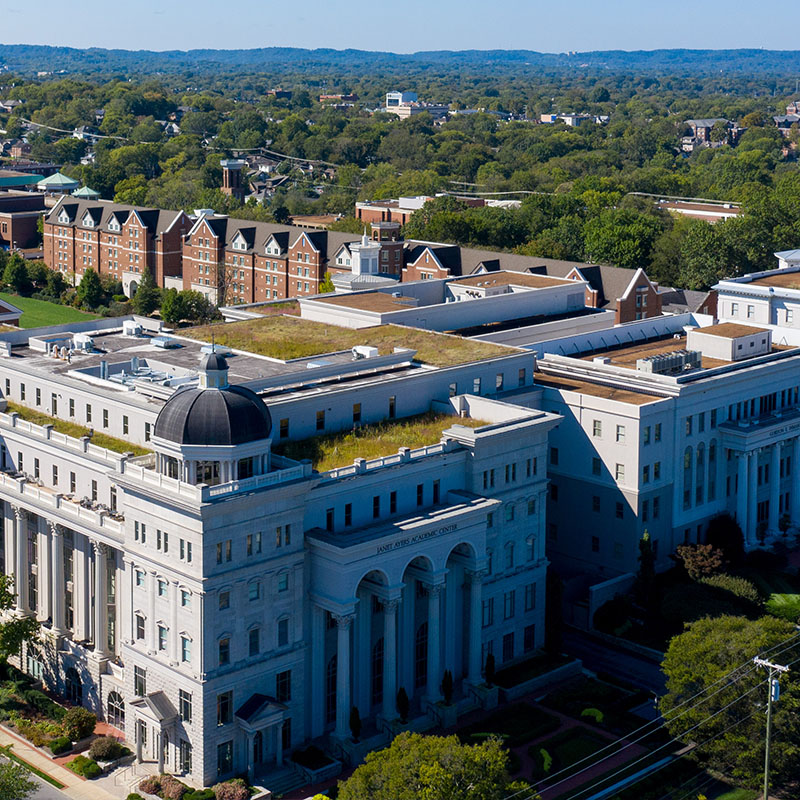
(332, 450)
(286, 337)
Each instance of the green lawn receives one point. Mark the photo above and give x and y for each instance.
(739, 794)
(36, 313)
(782, 592)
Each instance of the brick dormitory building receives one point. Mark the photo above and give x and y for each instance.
(235, 261)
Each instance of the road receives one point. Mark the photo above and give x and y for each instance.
(602, 657)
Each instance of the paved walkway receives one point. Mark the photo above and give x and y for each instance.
(74, 786)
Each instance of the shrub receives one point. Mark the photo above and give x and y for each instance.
(547, 760)
(740, 587)
(134, 796)
(231, 790)
(150, 785)
(724, 534)
(105, 748)
(172, 788)
(595, 713)
(81, 765)
(701, 560)
(61, 744)
(199, 794)
(79, 723)
(42, 703)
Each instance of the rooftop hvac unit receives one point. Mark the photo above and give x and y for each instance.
(82, 341)
(670, 363)
(601, 360)
(364, 351)
(131, 328)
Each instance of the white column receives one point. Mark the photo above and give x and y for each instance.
(451, 614)
(279, 744)
(250, 761)
(475, 578)
(80, 594)
(343, 623)
(390, 658)
(752, 500)
(317, 671)
(794, 498)
(59, 587)
(21, 567)
(774, 488)
(741, 492)
(44, 574)
(101, 606)
(160, 745)
(10, 535)
(363, 655)
(434, 642)
(407, 636)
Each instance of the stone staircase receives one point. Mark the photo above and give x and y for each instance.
(281, 781)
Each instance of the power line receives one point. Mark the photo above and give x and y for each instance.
(729, 675)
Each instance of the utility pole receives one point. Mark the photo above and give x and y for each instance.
(773, 693)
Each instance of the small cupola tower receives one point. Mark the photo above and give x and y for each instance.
(213, 372)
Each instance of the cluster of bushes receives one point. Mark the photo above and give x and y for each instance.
(81, 765)
(106, 748)
(168, 787)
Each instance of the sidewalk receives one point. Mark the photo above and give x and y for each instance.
(74, 786)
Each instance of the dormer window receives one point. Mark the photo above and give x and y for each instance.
(113, 225)
(88, 221)
(63, 217)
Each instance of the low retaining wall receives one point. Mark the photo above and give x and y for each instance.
(561, 673)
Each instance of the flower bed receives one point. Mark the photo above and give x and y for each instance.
(168, 787)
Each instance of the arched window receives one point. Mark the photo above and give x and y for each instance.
(330, 691)
(687, 477)
(73, 687)
(377, 672)
(421, 656)
(116, 711)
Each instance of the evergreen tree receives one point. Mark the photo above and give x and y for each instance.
(15, 275)
(148, 296)
(90, 291)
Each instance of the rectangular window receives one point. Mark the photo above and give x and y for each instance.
(224, 651)
(125, 424)
(162, 588)
(284, 428)
(530, 597)
(139, 626)
(437, 491)
(656, 507)
(499, 381)
(688, 425)
(225, 709)
(283, 582)
(509, 604)
(597, 428)
(283, 632)
(105, 417)
(38, 396)
(657, 471)
(393, 502)
(619, 472)
(224, 600)
(320, 420)
(283, 686)
(356, 412)
(185, 705)
(348, 515)
(254, 644)
(392, 406)
(646, 473)
(139, 681)
(476, 386)
(487, 612)
(646, 435)
(329, 519)
(186, 598)
(621, 434)
(71, 407)
(254, 591)
(162, 637)
(657, 431)
(88, 413)
(376, 506)
(521, 377)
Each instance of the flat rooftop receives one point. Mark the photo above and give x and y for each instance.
(506, 278)
(333, 450)
(594, 389)
(628, 355)
(782, 280)
(380, 302)
(287, 338)
(731, 330)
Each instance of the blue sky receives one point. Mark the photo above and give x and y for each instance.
(545, 25)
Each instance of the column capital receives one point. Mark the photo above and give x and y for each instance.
(475, 575)
(434, 589)
(391, 606)
(56, 529)
(344, 620)
(20, 513)
(101, 549)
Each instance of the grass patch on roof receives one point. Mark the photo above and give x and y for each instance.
(285, 338)
(276, 309)
(332, 450)
(76, 431)
(38, 313)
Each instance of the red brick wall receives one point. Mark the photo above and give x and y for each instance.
(628, 308)
(18, 229)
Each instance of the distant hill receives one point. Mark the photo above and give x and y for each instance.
(25, 59)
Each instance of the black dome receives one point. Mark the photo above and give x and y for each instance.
(214, 361)
(233, 415)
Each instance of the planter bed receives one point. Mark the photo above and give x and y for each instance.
(516, 724)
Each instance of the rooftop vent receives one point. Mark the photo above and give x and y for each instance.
(670, 363)
(364, 351)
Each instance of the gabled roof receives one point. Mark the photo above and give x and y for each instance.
(158, 704)
(57, 180)
(258, 705)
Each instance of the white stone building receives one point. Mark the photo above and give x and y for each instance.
(223, 605)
